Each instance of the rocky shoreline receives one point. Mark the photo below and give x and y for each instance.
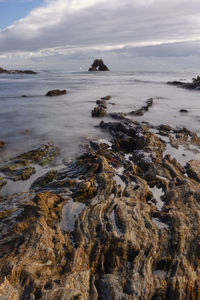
(194, 85)
(121, 221)
(29, 72)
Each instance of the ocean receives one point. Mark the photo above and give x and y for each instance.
(66, 120)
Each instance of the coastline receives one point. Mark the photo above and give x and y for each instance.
(117, 215)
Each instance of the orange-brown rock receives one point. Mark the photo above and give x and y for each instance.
(56, 93)
(119, 222)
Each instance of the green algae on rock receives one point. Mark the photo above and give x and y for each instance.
(42, 154)
(18, 169)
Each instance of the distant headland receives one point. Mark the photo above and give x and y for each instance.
(4, 71)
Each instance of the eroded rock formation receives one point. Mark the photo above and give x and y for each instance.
(98, 65)
(119, 222)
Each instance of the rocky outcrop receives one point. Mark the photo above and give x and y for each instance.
(100, 109)
(2, 144)
(98, 65)
(29, 72)
(143, 109)
(121, 221)
(56, 93)
(194, 85)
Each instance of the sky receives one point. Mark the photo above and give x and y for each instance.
(128, 34)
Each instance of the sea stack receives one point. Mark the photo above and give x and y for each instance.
(98, 65)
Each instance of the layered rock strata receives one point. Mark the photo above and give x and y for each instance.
(121, 221)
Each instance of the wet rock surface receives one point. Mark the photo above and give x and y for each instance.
(100, 109)
(54, 93)
(98, 65)
(4, 71)
(22, 167)
(121, 221)
(143, 109)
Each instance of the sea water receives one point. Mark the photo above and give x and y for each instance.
(66, 120)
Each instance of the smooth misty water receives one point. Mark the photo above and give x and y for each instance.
(66, 120)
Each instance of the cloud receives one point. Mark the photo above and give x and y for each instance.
(71, 27)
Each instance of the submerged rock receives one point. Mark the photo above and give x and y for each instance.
(42, 154)
(108, 97)
(183, 110)
(98, 65)
(143, 109)
(18, 170)
(21, 168)
(56, 93)
(98, 111)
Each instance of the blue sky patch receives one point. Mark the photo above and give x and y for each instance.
(13, 10)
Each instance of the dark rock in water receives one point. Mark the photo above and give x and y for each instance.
(56, 93)
(98, 112)
(98, 65)
(143, 109)
(108, 97)
(175, 83)
(149, 102)
(2, 144)
(29, 72)
(183, 110)
(101, 103)
(194, 85)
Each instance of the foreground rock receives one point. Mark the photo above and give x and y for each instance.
(56, 93)
(4, 71)
(194, 85)
(98, 65)
(119, 222)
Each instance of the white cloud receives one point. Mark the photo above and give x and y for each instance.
(72, 27)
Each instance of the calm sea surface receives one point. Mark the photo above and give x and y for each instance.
(66, 120)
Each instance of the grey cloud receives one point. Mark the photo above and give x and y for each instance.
(112, 23)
